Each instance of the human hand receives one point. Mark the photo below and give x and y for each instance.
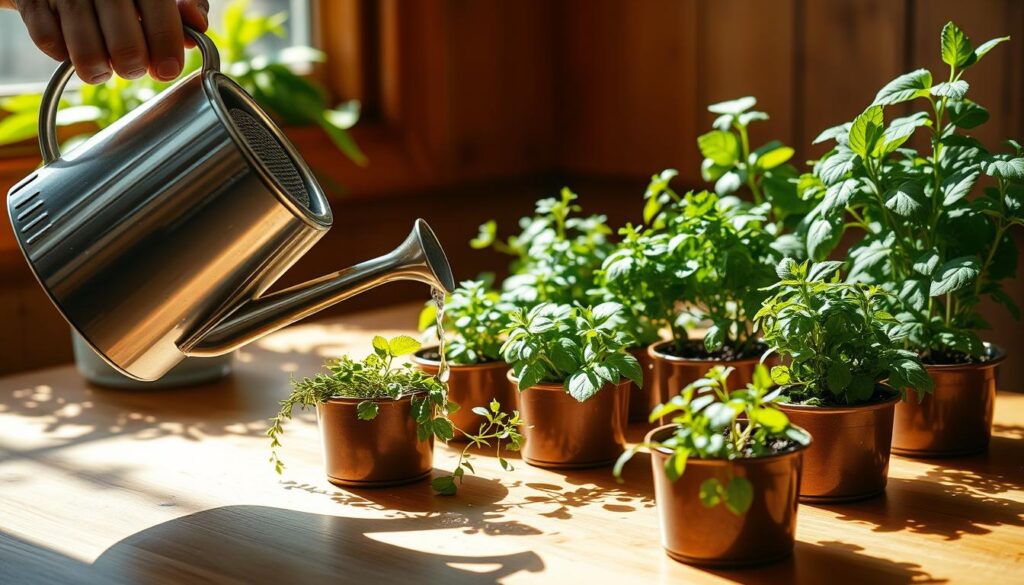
(126, 36)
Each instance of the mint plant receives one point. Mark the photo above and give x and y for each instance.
(701, 258)
(378, 377)
(732, 164)
(836, 338)
(474, 319)
(935, 221)
(581, 348)
(714, 422)
(555, 256)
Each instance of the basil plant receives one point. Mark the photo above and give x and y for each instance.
(932, 205)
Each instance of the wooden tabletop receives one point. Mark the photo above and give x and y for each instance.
(173, 486)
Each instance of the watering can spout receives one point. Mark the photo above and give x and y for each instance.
(419, 258)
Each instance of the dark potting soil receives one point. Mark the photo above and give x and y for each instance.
(776, 446)
(432, 355)
(881, 394)
(693, 349)
(951, 358)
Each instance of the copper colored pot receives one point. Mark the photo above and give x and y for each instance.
(695, 534)
(671, 374)
(956, 419)
(470, 386)
(372, 453)
(563, 433)
(640, 397)
(849, 459)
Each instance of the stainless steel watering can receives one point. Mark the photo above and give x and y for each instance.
(159, 237)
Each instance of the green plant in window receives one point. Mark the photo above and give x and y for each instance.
(837, 340)
(935, 221)
(267, 77)
(713, 422)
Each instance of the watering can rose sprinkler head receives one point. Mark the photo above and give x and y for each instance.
(159, 237)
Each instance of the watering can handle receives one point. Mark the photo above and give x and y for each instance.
(48, 144)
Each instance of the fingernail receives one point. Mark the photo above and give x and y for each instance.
(168, 69)
(135, 73)
(100, 77)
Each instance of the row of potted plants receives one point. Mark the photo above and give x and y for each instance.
(591, 331)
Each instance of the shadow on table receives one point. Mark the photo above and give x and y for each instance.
(257, 544)
(831, 562)
(956, 497)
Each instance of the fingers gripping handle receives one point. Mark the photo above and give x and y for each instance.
(48, 144)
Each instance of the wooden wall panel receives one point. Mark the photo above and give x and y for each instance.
(627, 87)
(851, 49)
(749, 48)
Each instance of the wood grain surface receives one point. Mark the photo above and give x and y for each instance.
(173, 486)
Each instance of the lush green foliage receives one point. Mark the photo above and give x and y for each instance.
(266, 77)
(373, 378)
(555, 256)
(474, 318)
(926, 237)
(713, 422)
(499, 427)
(702, 257)
(730, 163)
(579, 347)
(838, 341)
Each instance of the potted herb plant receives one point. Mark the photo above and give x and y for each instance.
(574, 373)
(934, 227)
(378, 419)
(473, 320)
(701, 258)
(726, 472)
(842, 373)
(557, 258)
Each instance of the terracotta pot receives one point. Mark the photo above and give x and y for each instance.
(671, 374)
(563, 433)
(372, 453)
(849, 459)
(695, 534)
(640, 397)
(470, 386)
(956, 419)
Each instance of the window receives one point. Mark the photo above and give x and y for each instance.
(23, 68)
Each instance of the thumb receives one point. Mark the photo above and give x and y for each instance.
(195, 13)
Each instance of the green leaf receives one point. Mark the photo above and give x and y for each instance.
(905, 88)
(739, 495)
(780, 375)
(488, 233)
(583, 385)
(832, 133)
(905, 201)
(926, 263)
(955, 275)
(822, 238)
(18, 127)
(403, 345)
(951, 89)
(720, 147)
(774, 420)
(1005, 169)
(627, 366)
(367, 410)
(775, 157)
(444, 485)
(957, 186)
(984, 48)
(867, 128)
(966, 114)
(733, 107)
(381, 345)
(956, 47)
(838, 377)
(531, 375)
(900, 129)
(834, 168)
(675, 465)
(709, 492)
(428, 317)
